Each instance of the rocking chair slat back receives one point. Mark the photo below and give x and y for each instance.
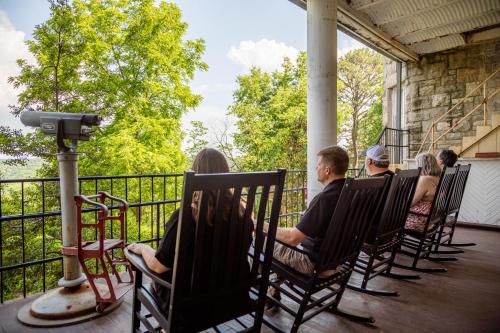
(212, 275)
(397, 205)
(443, 191)
(458, 188)
(358, 207)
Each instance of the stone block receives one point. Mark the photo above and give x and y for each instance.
(475, 61)
(417, 78)
(437, 70)
(444, 89)
(457, 100)
(443, 126)
(457, 60)
(435, 112)
(452, 71)
(467, 75)
(415, 116)
(448, 80)
(470, 86)
(412, 90)
(418, 103)
(458, 94)
(426, 124)
(464, 126)
(475, 50)
(453, 136)
(426, 90)
(440, 100)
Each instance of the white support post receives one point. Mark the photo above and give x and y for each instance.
(321, 84)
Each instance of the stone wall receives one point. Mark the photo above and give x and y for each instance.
(437, 82)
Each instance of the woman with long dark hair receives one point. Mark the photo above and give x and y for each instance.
(161, 261)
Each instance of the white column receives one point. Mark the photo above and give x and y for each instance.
(321, 84)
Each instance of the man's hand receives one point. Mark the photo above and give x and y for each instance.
(135, 248)
(290, 236)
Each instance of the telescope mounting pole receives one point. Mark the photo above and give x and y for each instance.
(67, 158)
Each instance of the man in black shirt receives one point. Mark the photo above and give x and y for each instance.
(331, 168)
(332, 165)
(377, 161)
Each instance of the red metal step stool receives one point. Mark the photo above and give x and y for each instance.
(107, 286)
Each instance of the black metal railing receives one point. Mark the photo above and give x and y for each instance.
(397, 144)
(30, 221)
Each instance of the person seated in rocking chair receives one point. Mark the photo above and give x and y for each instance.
(377, 161)
(161, 261)
(446, 158)
(331, 167)
(424, 193)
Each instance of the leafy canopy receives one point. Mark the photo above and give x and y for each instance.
(271, 109)
(126, 60)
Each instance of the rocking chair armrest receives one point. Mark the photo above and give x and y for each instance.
(138, 262)
(297, 248)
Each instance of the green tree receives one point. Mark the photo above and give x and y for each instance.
(124, 60)
(196, 139)
(271, 112)
(360, 76)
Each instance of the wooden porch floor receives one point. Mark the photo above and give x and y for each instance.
(465, 299)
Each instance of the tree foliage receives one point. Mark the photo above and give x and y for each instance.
(196, 139)
(360, 86)
(271, 112)
(125, 60)
(271, 109)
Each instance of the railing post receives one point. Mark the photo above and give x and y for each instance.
(432, 138)
(484, 103)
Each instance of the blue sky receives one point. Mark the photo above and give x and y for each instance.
(238, 34)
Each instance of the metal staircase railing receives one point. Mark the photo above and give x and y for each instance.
(432, 129)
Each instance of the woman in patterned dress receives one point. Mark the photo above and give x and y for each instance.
(424, 193)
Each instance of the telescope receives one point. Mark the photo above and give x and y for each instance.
(72, 126)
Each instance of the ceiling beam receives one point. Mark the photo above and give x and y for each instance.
(359, 21)
(478, 37)
(365, 4)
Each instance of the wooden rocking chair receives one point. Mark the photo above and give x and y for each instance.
(418, 245)
(386, 238)
(212, 280)
(358, 206)
(447, 227)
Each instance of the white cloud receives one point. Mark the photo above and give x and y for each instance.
(12, 48)
(265, 54)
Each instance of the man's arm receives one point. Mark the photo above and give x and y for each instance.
(289, 236)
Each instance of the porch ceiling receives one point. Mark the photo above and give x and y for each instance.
(404, 29)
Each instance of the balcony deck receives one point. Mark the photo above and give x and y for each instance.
(466, 299)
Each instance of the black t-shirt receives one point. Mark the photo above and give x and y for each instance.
(316, 219)
(165, 253)
(387, 172)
